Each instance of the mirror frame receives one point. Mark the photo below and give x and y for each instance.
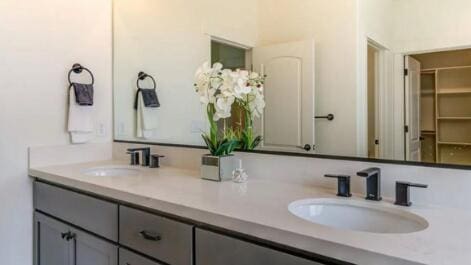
(319, 156)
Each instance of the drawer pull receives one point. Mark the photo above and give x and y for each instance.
(152, 236)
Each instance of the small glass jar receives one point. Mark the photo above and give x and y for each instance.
(239, 175)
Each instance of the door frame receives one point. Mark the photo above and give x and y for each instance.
(377, 95)
(382, 78)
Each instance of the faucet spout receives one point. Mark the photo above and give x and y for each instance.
(145, 155)
(373, 183)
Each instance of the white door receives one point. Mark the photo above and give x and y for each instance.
(412, 94)
(288, 119)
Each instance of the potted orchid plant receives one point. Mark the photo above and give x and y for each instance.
(218, 90)
(249, 96)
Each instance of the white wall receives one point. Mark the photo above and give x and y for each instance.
(170, 39)
(431, 25)
(39, 41)
(333, 26)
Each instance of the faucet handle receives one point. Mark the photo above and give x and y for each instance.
(155, 160)
(403, 192)
(416, 185)
(343, 188)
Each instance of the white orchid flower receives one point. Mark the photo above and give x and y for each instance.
(202, 70)
(217, 67)
(223, 107)
(254, 75)
(257, 104)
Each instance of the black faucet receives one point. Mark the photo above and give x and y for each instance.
(134, 158)
(145, 155)
(403, 192)
(343, 185)
(373, 183)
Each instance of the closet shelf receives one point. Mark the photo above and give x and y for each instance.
(455, 118)
(446, 68)
(446, 91)
(454, 143)
(427, 92)
(428, 133)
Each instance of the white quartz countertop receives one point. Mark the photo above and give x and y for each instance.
(259, 208)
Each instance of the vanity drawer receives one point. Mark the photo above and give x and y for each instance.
(127, 257)
(162, 238)
(216, 249)
(95, 215)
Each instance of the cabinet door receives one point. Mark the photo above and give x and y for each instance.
(127, 257)
(91, 250)
(216, 249)
(50, 246)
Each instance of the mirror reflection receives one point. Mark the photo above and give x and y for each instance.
(388, 79)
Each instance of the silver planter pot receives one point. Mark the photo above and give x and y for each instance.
(217, 168)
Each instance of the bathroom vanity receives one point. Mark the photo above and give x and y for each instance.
(110, 213)
(72, 226)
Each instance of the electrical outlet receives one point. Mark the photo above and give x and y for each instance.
(101, 130)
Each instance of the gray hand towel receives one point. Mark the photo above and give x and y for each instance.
(83, 94)
(150, 98)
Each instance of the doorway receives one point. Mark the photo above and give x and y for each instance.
(372, 100)
(445, 109)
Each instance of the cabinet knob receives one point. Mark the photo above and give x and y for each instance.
(68, 235)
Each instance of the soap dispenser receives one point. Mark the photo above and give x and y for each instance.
(239, 175)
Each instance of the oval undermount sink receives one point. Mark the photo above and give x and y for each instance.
(111, 171)
(358, 216)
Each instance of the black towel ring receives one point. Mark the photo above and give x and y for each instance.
(142, 76)
(78, 69)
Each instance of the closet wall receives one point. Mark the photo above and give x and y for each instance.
(446, 106)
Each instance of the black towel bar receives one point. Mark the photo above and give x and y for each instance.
(142, 76)
(78, 69)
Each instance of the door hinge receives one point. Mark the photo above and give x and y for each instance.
(406, 129)
(406, 72)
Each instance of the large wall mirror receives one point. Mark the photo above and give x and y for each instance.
(384, 79)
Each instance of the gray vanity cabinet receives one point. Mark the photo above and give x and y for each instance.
(161, 238)
(91, 214)
(126, 257)
(91, 250)
(50, 246)
(72, 228)
(216, 249)
(59, 244)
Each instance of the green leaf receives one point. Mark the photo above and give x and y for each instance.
(256, 142)
(227, 147)
(209, 144)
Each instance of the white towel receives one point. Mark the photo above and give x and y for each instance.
(146, 122)
(80, 125)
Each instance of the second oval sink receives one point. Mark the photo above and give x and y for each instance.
(358, 216)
